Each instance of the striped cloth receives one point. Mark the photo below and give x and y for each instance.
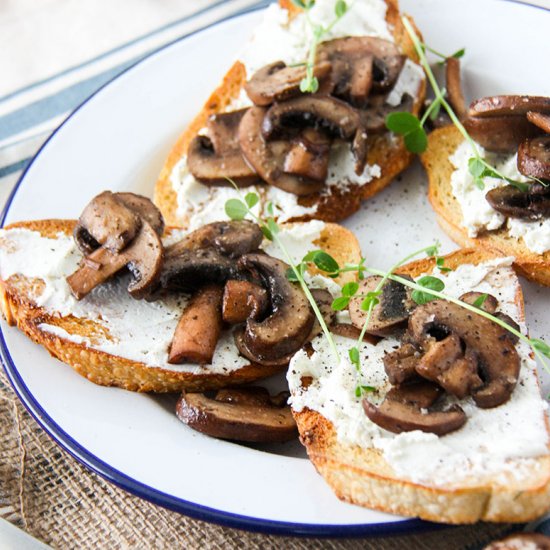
(75, 48)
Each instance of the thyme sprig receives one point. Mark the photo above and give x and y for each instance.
(412, 128)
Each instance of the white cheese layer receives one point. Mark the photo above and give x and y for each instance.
(139, 330)
(477, 213)
(278, 39)
(489, 439)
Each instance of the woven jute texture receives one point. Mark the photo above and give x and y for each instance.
(49, 494)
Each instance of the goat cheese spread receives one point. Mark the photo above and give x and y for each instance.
(477, 213)
(137, 330)
(487, 442)
(276, 39)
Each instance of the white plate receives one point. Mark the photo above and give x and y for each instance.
(118, 140)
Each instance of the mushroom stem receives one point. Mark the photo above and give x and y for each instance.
(454, 87)
(199, 328)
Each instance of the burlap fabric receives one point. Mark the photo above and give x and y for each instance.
(49, 494)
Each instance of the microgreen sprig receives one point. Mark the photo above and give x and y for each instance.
(310, 83)
(239, 209)
(413, 131)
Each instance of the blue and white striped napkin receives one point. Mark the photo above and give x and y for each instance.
(60, 52)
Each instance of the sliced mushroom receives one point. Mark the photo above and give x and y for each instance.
(392, 311)
(240, 342)
(223, 131)
(277, 82)
(106, 222)
(241, 300)
(353, 58)
(500, 124)
(540, 120)
(446, 364)
(230, 238)
(534, 157)
(317, 111)
(400, 365)
(515, 203)
(143, 257)
(406, 409)
(489, 304)
(267, 159)
(323, 299)
(287, 327)
(211, 168)
(308, 155)
(144, 208)
(509, 321)
(190, 269)
(498, 360)
(347, 330)
(509, 105)
(238, 418)
(454, 86)
(199, 328)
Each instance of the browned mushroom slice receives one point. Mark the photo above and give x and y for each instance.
(241, 300)
(238, 418)
(267, 159)
(144, 208)
(199, 328)
(454, 86)
(498, 364)
(514, 203)
(400, 365)
(288, 326)
(348, 330)
(222, 130)
(308, 155)
(509, 321)
(231, 238)
(488, 302)
(323, 299)
(534, 157)
(350, 58)
(540, 120)
(277, 82)
(106, 222)
(240, 342)
(501, 134)
(407, 409)
(212, 169)
(445, 363)
(322, 112)
(504, 105)
(143, 257)
(392, 311)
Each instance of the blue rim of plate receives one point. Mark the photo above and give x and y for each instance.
(141, 490)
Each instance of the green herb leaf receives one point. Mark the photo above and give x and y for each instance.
(299, 4)
(236, 209)
(350, 289)
(291, 274)
(323, 260)
(267, 233)
(270, 208)
(354, 357)
(272, 226)
(338, 304)
(251, 199)
(431, 283)
(360, 390)
(541, 346)
(371, 300)
(434, 251)
(459, 53)
(479, 170)
(340, 8)
(402, 123)
(478, 302)
(417, 141)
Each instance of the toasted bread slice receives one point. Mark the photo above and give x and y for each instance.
(363, 475)
(77, 338)
(386, 151)
(441, 144)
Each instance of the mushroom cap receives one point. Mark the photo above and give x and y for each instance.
(514, 203)
(499, 361)
(233, 415)
(404, 410)
(288, 326)
(392, 311)
(267, 159)
(277, 82)
(499, 105)
(534, 157)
